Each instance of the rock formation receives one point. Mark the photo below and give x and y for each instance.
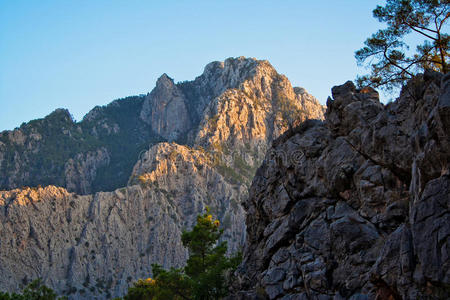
(165, 109)
(357, 206)
(98, 153)
(204, 140)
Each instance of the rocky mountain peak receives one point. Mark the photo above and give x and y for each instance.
(165, 109)
(63, 113)
(239, 64)
(175, 110)
(164, 82)
(233, 72)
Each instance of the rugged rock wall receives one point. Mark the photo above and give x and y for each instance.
(357, 206)
(86, 246)
(165, 110)
(96, 245)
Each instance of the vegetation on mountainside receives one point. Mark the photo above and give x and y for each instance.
(124, 146)
(57, 138)
(385, 51)
(290, 113)
(207, 274)
(34, 291)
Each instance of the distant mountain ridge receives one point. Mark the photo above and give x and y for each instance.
(79, 156)
(162, 159)
(98, 153)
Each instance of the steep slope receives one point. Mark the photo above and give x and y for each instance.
(356, 207)
(219, 126)
(98, 153)
(93, 155)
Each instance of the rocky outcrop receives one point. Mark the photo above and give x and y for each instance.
(80, 171)
(357, 206)
(165, 110)
(220, 126)
(192, 180)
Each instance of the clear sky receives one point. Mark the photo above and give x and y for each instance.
(78, 54)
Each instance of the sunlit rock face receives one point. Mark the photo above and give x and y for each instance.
(99, 152)
(356, 206)
(205, 140)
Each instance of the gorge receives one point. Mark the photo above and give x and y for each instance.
(121, 185)
(350, 201)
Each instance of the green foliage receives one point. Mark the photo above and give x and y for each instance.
(56, 138)
(385, 51)
(141, 290)
(34, 291)
(207, 273)
(124, 145)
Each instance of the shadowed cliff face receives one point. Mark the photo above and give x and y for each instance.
(357, 206)
(220, 125)
(165, 110)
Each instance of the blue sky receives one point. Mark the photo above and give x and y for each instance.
(78, 54)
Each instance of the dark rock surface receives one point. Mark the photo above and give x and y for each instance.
(357, 206)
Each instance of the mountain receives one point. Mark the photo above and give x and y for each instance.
(357, 206)
(96, 154)
(122, 184)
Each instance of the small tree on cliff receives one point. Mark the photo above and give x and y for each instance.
(205, 275)
(384, 53)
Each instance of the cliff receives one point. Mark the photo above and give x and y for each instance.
(204, 140)
(357, 206)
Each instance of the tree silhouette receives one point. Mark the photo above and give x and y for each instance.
(36, 290)
(385, 51)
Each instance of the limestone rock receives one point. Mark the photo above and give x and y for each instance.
(96, 245)
(165, 110)
(357, 206)
(86, 246)
(80, 172)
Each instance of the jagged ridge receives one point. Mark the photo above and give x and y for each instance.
(357, 206)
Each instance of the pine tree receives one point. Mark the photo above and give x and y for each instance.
(206, 274)
(385, 51)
